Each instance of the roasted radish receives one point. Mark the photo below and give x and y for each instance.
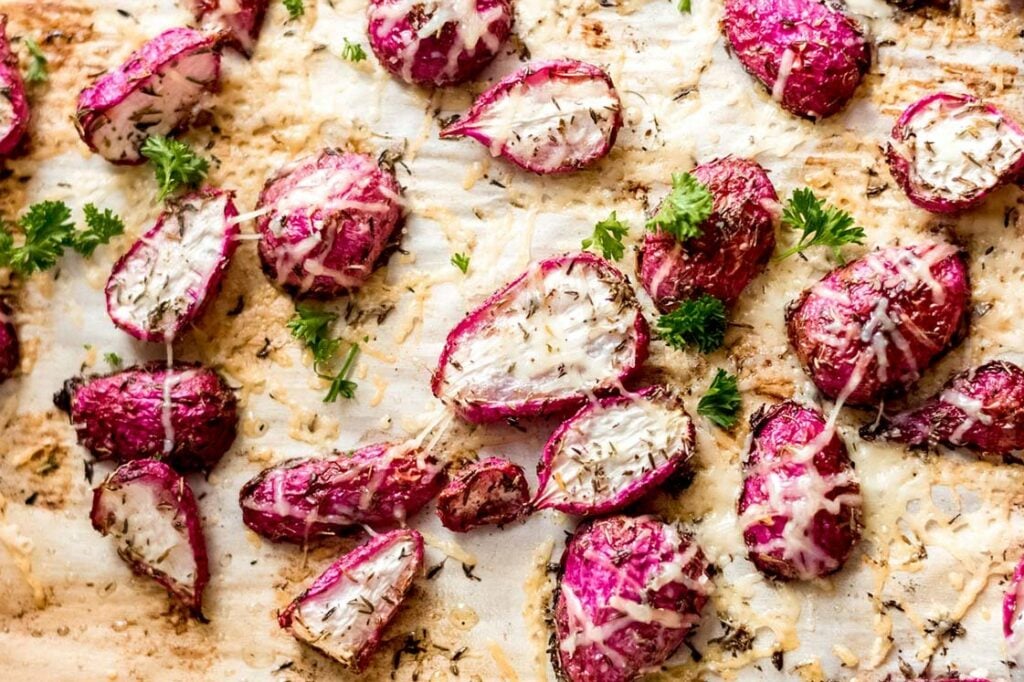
(869, 328)
(613, 452)
(14, 112)
(10, 354)
(377, 485)
(809, 54)
(800, 508)
(240, 19)
(1013, 615)
(566, 328)
(157, 91)
(492, 491)
(737, 240)
(186, 416)
(168, 277)
(150, 512)
(631, 589)
(344, 613)
(438, 42)
(948, 152)
(327, 219)
(548, 117)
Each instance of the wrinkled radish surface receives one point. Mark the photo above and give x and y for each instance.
(549, 117)
(800, 508)
(344, 612)
(327, 220)
(631, 589)
(569, 326)
(10, 353)
(168, 277)
(14, 111)
(156, 91)
(491, 491)
(614, 452)
(869, 328)
(437, 42)
(948, 152)
(738, 239)
(242, 19)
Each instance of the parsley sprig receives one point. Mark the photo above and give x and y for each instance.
(175, 164)
(295, 8)
(47, 230)
(352, 52)
(698, 322)
(608, 236)
(821, 224)
(37, 63)
(684, 209)
(461, 261)
(312, 326)
(684, 6)
(721, 403)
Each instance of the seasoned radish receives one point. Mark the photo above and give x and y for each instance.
(949, 152)
(10, 353)
(186, 416)
(631, 590)
(800, 508)
(1013, 616)
(437, 42)
(14, 112)
(613, 452)
(869, 328)
(548, 117)
(736, 241)
(344, 613)
(168, 277)
(158, 90)
(326, 220)
(492, 491)
(151, 514)
(981, 408)
(377, 485)
(241, 19)
(809, 54)
(566, 328)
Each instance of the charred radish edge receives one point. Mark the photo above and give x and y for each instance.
(526, 118)
(143, 502)
(14, 111)
(344, 612)
(613, 452)
(492, 491)
(239, 21)
(156, 91)
(171, 274)
(626, 333)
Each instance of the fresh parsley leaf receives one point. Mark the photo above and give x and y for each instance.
(37, 71)
(461, 261)
(175, 163)
(821, 224)
(608, 236)
(48, 230)
(113, 359)
(721, 403)
(102, 226)
(699, 322)
(313, 326)
(353, 52)
(684, 6)
(295, 8)
(340, 384)
(684, 209)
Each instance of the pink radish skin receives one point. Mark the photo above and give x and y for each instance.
(14, 111)
(438, 42)
(800, 508)
(1013, 615)
(328, 219)
(122, 416)
(568, 327)
(988, 144)
(631, 590)
(344, 613)
(871, 327)
(737, 240)
(240, 19)
(548, 117)
(10, 352)
(809, 54)
(614, 452)
(150, 512)
(170, 275)
(492, 491)
(158, 90)
(379, 485)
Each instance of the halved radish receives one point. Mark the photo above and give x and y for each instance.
(241, 19)
(10, 353)
(492, 491)
(14, 111)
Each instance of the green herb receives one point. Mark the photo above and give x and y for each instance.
(113, 359)
(340, 384)
(822, 224)
(608, 236)
(461, 261)
(37, 72)
(684, 209)
(721, 403)
(175, 163)
(684, 6)
(313, 328)
(47, 230)
(102, 227)
(353, 52)
(699, 322)
(295, 8)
